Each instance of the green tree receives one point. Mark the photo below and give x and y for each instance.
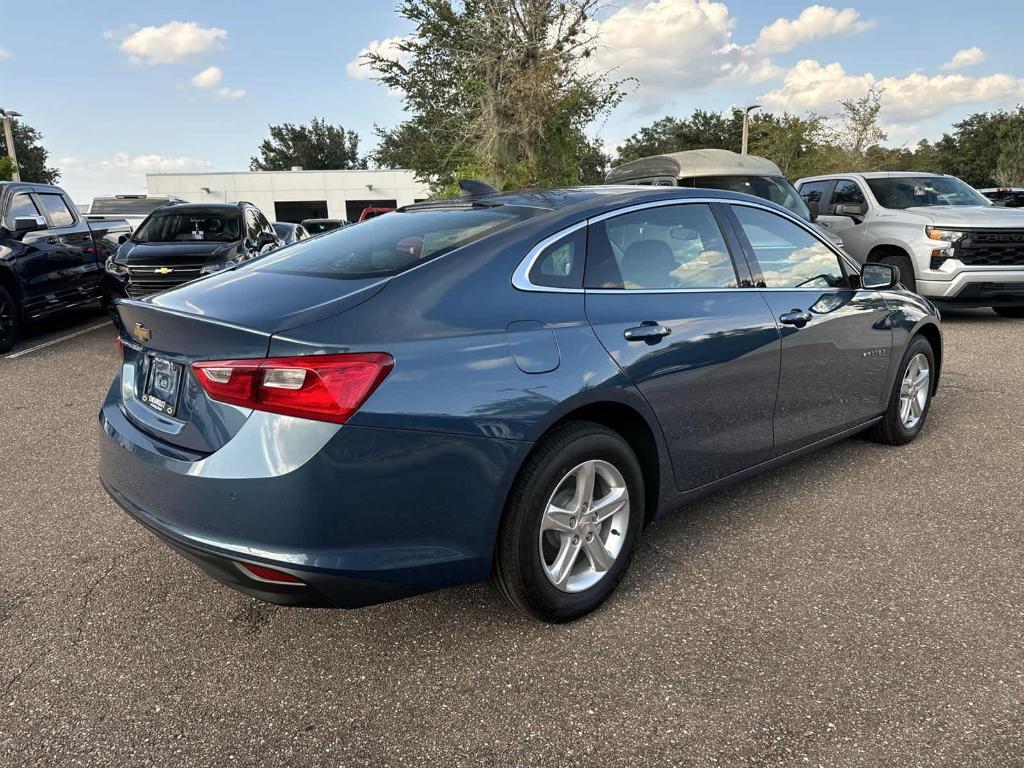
(793, 143)
(6, 169)
(32, 156)
(316, 147)
(496, 89)
(702, 130)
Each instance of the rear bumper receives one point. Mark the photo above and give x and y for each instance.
(373, 515)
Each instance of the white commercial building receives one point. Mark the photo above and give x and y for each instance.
(296, 195)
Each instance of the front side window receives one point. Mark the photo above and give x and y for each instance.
(388, 245)
(560, 265)
(789, 256)
(175, 225)
(848, 192)
(660, 248)
(22, 205)
(56, 210)
(901, 192)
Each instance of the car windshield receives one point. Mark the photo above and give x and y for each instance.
(922, 191)
(387, 245)
(774, 188)
(137, 206)
(317, 227)
(179, 226)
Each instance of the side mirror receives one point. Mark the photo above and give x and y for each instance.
(879, 277)
(23, 224)
(853, 210)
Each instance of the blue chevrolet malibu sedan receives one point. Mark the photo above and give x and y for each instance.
(504, 385)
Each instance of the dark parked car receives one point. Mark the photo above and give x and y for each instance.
(319, 226)
(289, 233)
(179, 243)
(1006, 197)
(508, 385)
(51, 258)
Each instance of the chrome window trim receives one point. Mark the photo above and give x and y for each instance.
(521, 280)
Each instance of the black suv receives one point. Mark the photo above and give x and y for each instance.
(180, 242)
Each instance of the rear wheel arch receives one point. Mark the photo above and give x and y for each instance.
(634, 428)
(10, 282)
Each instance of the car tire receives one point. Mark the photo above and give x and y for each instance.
(911, 395)
(906, 268)
(1009, 311)
(549, 523)
(10, 320)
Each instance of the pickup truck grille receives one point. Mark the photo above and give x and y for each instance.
(144, 280)
(992, 248)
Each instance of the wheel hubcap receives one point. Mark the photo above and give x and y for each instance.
(914, 391)
(584, 526)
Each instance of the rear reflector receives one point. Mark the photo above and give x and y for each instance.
(263, 573)
(321, 387)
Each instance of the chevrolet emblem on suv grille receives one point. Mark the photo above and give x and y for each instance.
(141, 332)
(162, 271)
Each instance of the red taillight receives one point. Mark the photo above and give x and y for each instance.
(322, 387)
(263, 573)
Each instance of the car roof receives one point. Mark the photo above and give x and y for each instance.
(694, 162)
(873, 175)
(186, 207)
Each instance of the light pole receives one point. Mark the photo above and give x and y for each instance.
(9, 138)
(746, 126)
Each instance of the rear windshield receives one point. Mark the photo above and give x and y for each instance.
(316, 227)
(387, 245)
(180, 226)
(774, 188)
(126, 206)
(914, 191)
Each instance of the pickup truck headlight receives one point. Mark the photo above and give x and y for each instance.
(949, 235)
(114, 268)
(210, 269)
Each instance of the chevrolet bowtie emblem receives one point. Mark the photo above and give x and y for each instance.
(163, 271)
(141, 332)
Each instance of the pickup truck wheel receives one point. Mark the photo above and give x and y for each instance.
(905, 267)
(1009, 311)
(10, 320)
(911, 395)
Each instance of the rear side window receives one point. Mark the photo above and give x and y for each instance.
(560, 265)
(660, 248)
(388, 245)
(789, 256)
(56, 210)
(815, 194)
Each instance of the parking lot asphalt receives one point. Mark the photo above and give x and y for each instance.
(860, 607)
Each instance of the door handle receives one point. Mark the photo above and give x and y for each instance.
(648, 331)
(797, 317)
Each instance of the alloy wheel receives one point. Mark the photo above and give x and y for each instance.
(914, 391)
(584, 526)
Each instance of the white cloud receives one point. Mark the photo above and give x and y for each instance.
(814, 23)
(120, 173)
(673, 46)
(208, 78)
(5, 54)
(170, 42)
(965, 57)
(359, 69)
(231, 93)
(810, 85)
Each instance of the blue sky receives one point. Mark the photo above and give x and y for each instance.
(111, 85)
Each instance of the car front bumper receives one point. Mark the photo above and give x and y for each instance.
(373, 515)
(978, 288)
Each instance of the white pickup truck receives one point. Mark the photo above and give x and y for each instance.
(949, 242)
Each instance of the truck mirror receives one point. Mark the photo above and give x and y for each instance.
(23, 224)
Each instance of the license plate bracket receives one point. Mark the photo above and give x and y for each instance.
(162, 384)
